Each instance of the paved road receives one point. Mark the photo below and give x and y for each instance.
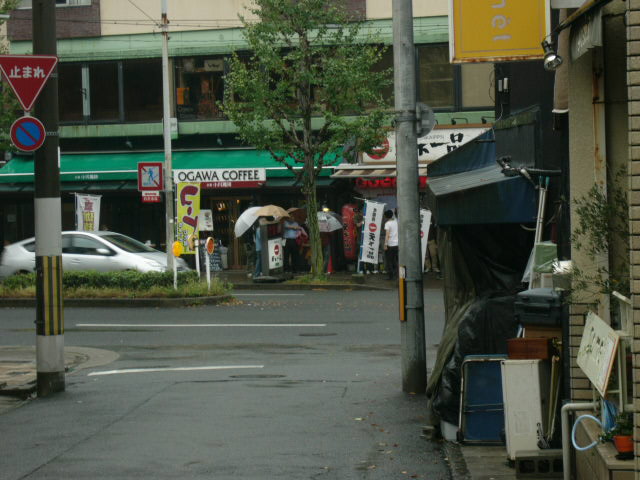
(279, 385)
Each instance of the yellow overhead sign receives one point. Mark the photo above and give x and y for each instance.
(497, 30)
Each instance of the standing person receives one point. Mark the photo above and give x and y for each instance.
(291, 229)
(433, 262)
(258, 241)
(391, 245)
(325, 238)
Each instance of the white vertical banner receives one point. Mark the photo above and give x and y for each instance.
(371, 228)
(87, 212)
(425, 223)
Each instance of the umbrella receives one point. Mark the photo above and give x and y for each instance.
(298, 214)
(245, 221)
(329, 221)
(271, 211)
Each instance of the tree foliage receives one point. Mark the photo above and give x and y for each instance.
(8, 101)
(306, 89)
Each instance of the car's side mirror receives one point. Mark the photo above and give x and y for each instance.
(104, 251)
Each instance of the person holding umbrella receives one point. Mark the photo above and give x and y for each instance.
(291, 229)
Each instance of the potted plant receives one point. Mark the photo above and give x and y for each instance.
(622, 433)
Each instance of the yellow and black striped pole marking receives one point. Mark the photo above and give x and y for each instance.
(50, 313)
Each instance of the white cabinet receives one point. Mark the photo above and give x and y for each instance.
(525, 390)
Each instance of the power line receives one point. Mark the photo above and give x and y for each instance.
(143, 12)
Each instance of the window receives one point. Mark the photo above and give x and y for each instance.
(444, 86)
(436, 76)
(142, 86)
(70, 93)
(111, 91)
(81, 245)
(59, 3)
(386, 63)
(199, 86)
(477, 85)
(104, 98)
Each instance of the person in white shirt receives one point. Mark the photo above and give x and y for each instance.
(391, 245)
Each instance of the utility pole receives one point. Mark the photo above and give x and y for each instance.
(48, 216)
(414, 366)
(166, 132)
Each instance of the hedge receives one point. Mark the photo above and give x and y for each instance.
(126, 280)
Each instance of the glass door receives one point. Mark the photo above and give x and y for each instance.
(225, 212)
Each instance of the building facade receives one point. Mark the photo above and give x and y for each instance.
(110, 97)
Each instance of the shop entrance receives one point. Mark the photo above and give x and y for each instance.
(225, 212)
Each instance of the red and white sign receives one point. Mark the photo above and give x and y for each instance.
(210, 244)
(150, 197)
(371, 239)
(150, 177)
(275, 253)
(27, 74)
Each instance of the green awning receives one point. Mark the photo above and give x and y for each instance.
(100, 167)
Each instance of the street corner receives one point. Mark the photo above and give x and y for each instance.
(18, 369)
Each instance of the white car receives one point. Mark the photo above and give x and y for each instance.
(99, 251)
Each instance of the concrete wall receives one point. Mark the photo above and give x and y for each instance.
(633, 92)
(421, 8)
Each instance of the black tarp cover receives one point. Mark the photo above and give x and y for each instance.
(483, 267)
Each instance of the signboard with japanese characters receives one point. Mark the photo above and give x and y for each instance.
(27, 75)
(87, 212)
(373, 212)
(222, 177)
(497, 30)
(597, 351)
(432, 146)
(425, 224)
(275, 253)
(188, 209)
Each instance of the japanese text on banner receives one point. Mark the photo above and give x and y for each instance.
(87, 212)
(188, 203)
(371, 231)
(425, 223)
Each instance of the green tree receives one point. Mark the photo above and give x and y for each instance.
(8, 102)
(307, 89)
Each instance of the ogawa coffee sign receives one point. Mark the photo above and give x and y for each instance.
(222, 177)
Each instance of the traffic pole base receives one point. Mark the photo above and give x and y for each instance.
(49, 383)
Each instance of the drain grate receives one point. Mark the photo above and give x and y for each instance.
(258, 376)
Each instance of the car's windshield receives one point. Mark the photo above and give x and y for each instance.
(127, 244)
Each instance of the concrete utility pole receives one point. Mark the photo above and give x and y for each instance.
(166, 132)
(48, 217)
(414, 365)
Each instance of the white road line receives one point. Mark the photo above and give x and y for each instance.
(177, 369)
(269, 294)
(195, 325)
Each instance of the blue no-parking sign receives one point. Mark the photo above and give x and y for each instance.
(27, 134)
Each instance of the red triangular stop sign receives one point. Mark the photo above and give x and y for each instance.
(27, 75)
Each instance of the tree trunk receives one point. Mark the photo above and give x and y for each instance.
(309, 190)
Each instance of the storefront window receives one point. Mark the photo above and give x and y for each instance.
(436, 76)
(142, 84)
(104, 91)
(70, 92)
(199, 86)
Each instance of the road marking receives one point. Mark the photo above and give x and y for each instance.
(176, 369)
(193, 325)
(269, 294)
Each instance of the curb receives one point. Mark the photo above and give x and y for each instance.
(122, 302)
(306, 286)
(455, 459)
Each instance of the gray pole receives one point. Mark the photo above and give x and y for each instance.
(48, 217)
(166, 132)
(414, 366)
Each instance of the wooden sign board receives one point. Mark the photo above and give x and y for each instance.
(597, 351)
